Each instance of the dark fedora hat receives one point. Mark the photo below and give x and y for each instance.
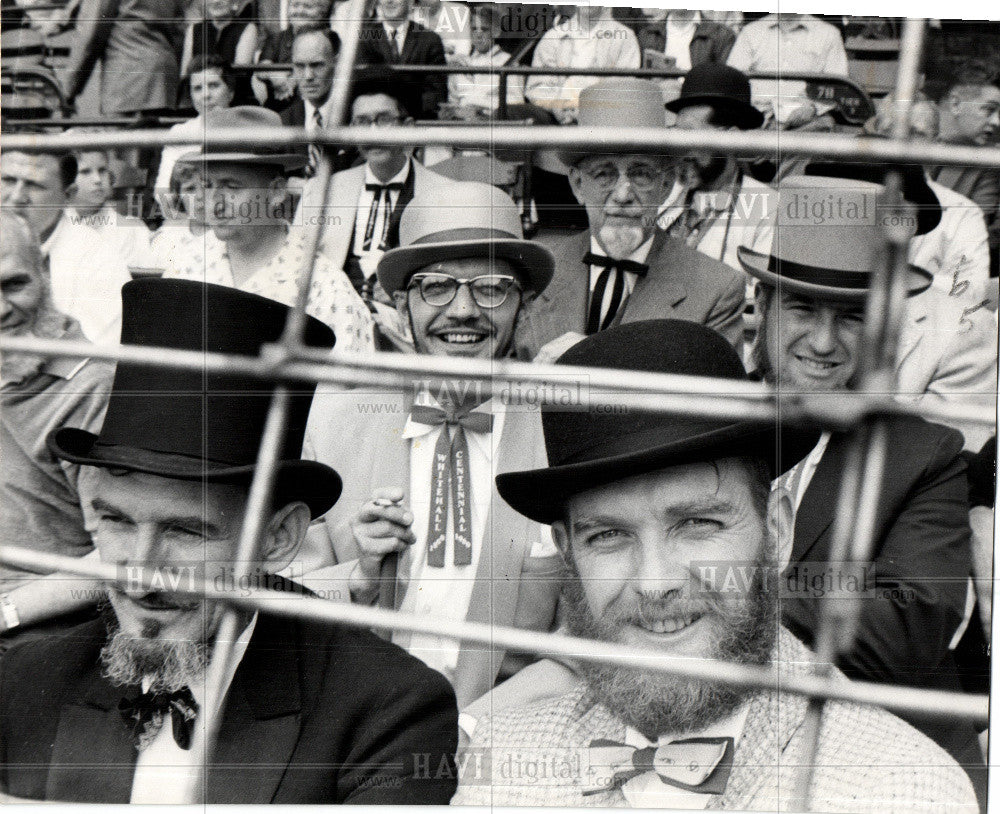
(721, 87)
(588, 448)
(916, 190)
(199, 424)
(828, 235)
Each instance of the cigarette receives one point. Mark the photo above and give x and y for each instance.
(384, 501)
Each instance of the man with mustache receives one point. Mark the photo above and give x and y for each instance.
(622, 268)
(422, 489)
(670, 533)
(311, 712)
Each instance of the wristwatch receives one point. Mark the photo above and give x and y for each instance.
(9, 612)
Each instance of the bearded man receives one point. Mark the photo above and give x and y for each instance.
(670, 535)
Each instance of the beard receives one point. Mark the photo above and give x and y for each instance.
(621, 241)
(745, 632)
(167, 665)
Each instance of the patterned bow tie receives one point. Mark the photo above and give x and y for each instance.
(696, 764)
(139, 712)
(394, 186)
(450, 464)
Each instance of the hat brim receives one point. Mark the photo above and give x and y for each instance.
(758, 265)
(315, 484)
(747, 116)
(541, 494)
(531, 260)
(287, 161)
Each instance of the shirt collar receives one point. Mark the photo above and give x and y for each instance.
(639, 255)
(776, 22)
(324, 109)
(61, 225)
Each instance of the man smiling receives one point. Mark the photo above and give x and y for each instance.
(311, 713)
(459, 278)
(670, 533)
(623, 268)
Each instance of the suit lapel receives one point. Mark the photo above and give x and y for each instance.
(505, 544)
(815, 513)
(409, 44)
(912, 329)
(262, 719)
(663, 287)
(93, 757)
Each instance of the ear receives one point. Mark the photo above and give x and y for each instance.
(560, 535)
(780, 520)
(284, 535)
(575, 179)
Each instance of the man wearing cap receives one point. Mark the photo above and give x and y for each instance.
(811, 294)
(716, 205)
(257, 250)
(655, 515)
(311, 713)
(459, 278)
(623, 268)
(365, 203)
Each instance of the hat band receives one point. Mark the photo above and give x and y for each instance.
(467, 233)
(817, 275)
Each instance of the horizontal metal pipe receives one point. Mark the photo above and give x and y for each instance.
(639, 390)
(486, 137)
(905, 700)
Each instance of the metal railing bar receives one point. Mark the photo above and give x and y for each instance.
(638, 139)
(905, 700)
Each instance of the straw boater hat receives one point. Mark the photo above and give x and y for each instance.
(197, 425)
(463, 220)
(722, 87)
(252, 120)
(828, 239)
(617, 103)
(588, 448)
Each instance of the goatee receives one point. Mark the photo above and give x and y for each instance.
(745, 632)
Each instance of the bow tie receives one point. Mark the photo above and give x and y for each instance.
(140, 711)
(450, 465)
(394, 186)
(601, 260)
(696, 764)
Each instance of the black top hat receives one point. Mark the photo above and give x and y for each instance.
(201, 424)
(722, 87)
(588, 448)
(916, 190)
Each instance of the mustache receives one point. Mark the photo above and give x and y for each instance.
(662, 606)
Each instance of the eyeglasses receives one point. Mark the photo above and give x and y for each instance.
(641, 176)
(378, 120)
(488, 290)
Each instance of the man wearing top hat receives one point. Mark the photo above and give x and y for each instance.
(312, 713)
(622, 268)
(811, 298)
(460, 278)
(716, 206)
(670, 531)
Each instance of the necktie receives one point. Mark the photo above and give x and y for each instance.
(394, 44)
(450, 464)
(139, 712)
(701, 765)
(612, 274)
(381, 204)
(317, 119)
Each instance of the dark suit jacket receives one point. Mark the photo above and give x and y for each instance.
(920, 564)
(295, 116)
(682, 283)
(315, 714)
(421, 47)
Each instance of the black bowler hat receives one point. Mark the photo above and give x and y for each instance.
(722, 87)
(197, 424)
(588, 448)
(916, 190)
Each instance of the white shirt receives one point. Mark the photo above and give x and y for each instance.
(164, 771)
(483, 89)
(400, 32)
(648, 791)
(369, 259)
(88, 259)
(604, 44)
(796, 480)
(446, 592)
(680, 32)
(630, 277)
(325, 112)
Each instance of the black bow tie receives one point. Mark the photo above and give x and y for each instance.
(394, 186)
(603, 261)
(138, 712)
